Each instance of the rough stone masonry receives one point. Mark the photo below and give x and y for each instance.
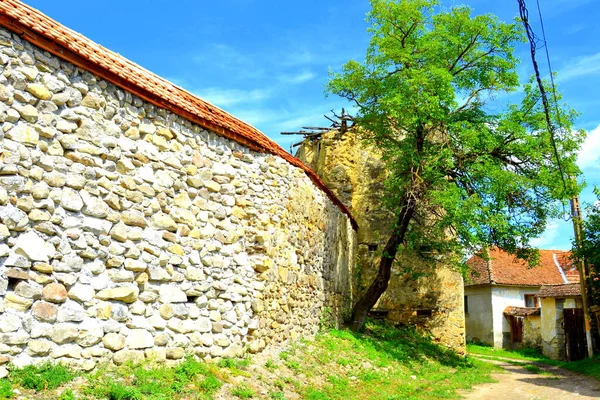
(129, 233)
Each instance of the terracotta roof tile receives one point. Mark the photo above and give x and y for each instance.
(503, 268)
(53, 37)
(569, 290)
(521, 311)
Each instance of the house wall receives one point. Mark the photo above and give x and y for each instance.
(532, 332)
(552, 330)
(127, 232)
(502, 297)
(553, 333)
(479, 319)
(427, 295)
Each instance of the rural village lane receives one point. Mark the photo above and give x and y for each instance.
(520, 383)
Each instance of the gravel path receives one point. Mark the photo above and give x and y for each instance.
(520, 384)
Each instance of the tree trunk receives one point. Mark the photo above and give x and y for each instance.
(381, 281)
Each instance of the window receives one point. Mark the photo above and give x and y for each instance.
(466, 305)
(531, 300)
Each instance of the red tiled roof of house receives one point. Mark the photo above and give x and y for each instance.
(569, 290)
(521, 311)
(503, 268)
(37, 28)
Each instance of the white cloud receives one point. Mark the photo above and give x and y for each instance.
(550, 235)
(298, 78)
(582, 66)
(229, 97)
(589, 155)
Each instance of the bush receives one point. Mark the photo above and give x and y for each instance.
(42, 377)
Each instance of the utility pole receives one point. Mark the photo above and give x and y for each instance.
(583, 272)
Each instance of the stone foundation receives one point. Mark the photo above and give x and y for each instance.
(127, 232)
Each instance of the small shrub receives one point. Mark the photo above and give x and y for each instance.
(67, 395)
(5, 389)
(210, 384)
(293, 365)
(190, 368)
(270, 365)
(121, 392)
(277, 395)
(43, 376)
(243, 392)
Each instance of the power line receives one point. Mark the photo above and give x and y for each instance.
(533, 39)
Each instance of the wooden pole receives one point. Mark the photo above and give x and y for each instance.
(583, 273)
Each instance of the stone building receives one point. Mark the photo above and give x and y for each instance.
(139, 221)
(430, 297)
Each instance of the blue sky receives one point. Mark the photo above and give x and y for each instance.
(267, 62)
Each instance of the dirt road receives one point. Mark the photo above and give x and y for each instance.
(547, 383)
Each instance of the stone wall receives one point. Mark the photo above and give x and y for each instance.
(127, 232)
(532, 333)
(430, 297)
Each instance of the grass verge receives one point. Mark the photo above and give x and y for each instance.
(383, 363)
(589, 366)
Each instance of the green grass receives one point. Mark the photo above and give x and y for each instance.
(243, 392)
(589, 366)
(190, 379)
(5, 389)
(45, 376)
(383, 362)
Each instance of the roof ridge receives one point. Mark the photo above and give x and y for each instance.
(559, 267)
(49, 35)
(489, 265)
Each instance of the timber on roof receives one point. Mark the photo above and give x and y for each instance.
(42, 31)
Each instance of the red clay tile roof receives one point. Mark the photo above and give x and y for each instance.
(53, 37)
(505, 269)
(521, 311)
(569, 290)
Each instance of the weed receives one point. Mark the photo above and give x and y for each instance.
(5, 389)
(210, 384)
(277, 396)
(284, 355)
(243, 392)
(43, 376)
(117, 391)
(67, 395)
(293, 365)
(279, 383)
(270, 365)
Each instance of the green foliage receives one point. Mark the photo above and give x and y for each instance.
(157, 382)
(243, 392)
(67, 395)
(277, 396)
(117, 391)
(270, 365)
(424, 96)
(589, 247)
(5, 389)
(210, 384)
(42, 377)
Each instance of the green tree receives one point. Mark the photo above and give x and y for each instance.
(588, 248)
(461, 174)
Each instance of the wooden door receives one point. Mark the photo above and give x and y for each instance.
(516, 330)
(575, 346)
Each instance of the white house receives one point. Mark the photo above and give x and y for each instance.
(501, 303)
